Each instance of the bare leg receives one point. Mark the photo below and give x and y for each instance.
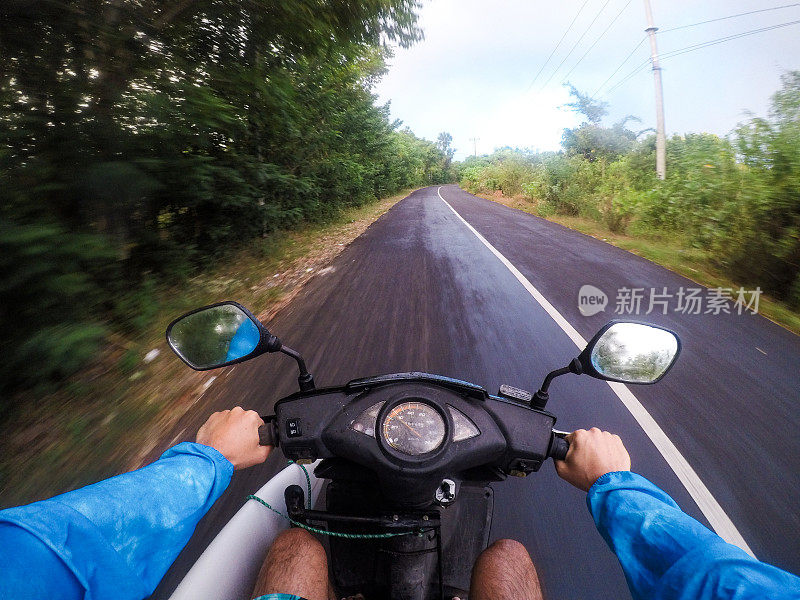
(505, 571)
(295, 564)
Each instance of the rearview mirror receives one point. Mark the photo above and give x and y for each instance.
(219, 335)
(630, 353)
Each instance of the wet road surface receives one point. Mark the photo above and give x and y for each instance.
(419, 291)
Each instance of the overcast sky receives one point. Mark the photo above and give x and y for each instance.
(472, 74)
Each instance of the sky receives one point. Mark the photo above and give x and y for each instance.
(475, 73)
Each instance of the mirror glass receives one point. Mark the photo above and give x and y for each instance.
(634, 353)
(214, 336)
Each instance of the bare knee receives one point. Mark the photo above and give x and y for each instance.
(295, 564)
(296, 541)
(505, 570)
(510, 549)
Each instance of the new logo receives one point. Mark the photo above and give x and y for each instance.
(591, 300)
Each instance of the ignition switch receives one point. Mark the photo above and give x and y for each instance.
(446, 493)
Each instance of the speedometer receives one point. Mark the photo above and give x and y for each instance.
(413, 428)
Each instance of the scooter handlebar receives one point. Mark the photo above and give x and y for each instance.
(268, 432)
(558, 448)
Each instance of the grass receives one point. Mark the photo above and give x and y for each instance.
(665, 250)
(106, 419)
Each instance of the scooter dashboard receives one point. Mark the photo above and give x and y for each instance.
(413, 433)
(414, 427)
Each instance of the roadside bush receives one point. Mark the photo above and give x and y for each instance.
(701, 179)
(50, 302)
(760, 243)
(554, 176)
(569, 184)
(616, 199)
(511, 172)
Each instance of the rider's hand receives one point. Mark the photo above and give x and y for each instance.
(592, 454)
(235, 434)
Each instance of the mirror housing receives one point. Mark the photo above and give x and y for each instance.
(630, 352)
(218, 335)
(622, 351)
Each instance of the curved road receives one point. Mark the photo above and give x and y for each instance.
(420, 291)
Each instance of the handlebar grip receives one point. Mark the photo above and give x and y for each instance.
(268, 434)
(558, 448)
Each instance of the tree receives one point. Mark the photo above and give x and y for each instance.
(593, 110)
(590, 139)
(171, 133)
(443, 142)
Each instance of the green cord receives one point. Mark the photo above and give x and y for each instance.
(308, 482)
(349, 536)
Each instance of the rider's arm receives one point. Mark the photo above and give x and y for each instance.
(117, 538)
(665, 553)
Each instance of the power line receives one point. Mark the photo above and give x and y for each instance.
(702, 45)
(580, 10)
(736, 36)
(633, 73)
(667, 55)
(576, 44)
(752, 12)
(614, 20)
(622, 64)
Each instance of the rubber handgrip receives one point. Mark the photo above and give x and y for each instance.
(268, 434)
(559, 448)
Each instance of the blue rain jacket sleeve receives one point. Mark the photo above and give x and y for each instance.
(115, 538)
(244, 340)
(668, 555)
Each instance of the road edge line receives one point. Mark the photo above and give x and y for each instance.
(708, 505)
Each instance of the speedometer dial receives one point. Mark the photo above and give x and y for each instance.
(413, 428)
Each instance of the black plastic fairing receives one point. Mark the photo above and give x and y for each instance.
(412, 480)
(513, 437)
(302, 417)
(527, 432)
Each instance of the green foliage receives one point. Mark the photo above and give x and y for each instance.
(590, 139)
(737, 199)
(761, 244)
(584, 104)
(52, 282)
(593, 142)
(140, 140)
(616, 199)
(443, 141)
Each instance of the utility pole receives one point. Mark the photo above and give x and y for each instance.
(661, 138)
(475, 141)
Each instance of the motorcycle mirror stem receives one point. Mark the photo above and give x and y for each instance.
(541, 397)
(305, 380)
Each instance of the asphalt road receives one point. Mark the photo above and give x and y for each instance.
(419, 291)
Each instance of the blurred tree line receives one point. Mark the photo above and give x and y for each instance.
(141, 140)
(738, 198)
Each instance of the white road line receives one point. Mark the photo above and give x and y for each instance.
(717, 518)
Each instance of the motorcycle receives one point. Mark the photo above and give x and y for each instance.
(400, 465)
